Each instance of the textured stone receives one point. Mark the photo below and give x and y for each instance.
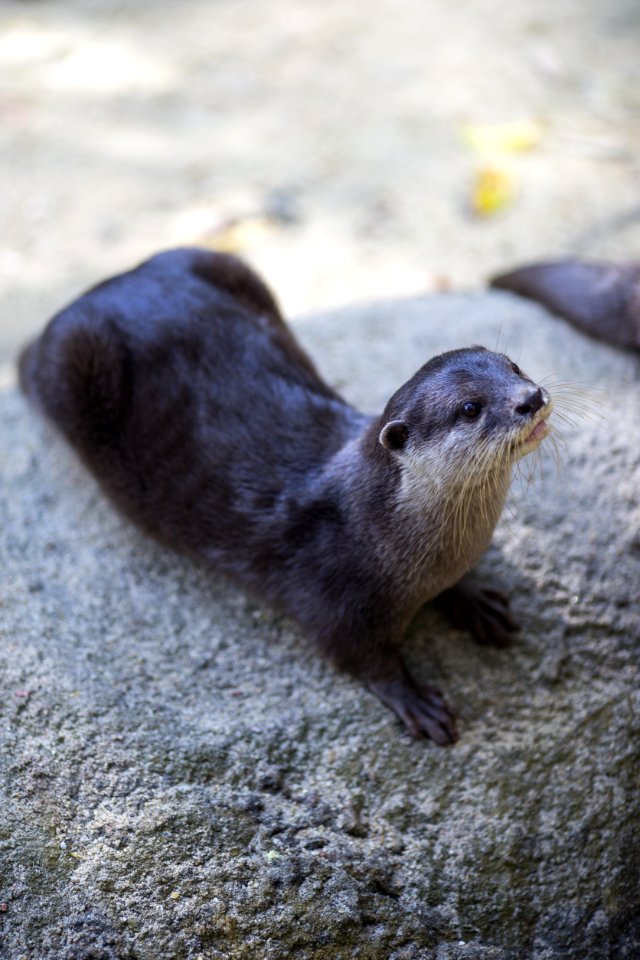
(182, 777)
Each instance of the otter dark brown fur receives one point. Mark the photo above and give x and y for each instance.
(602, 299)
(207, 424)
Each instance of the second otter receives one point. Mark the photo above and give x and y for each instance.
(207, 424)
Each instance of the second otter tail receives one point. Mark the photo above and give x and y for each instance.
(603, 299)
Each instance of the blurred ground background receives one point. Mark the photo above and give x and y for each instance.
(329, 142)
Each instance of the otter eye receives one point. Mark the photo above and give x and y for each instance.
(471, 409)
(516, 369)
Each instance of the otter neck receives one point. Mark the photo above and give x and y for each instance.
(448, 526)
(426, 527)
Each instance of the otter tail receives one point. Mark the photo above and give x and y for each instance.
(602, 299)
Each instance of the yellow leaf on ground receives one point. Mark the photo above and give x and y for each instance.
(495, 189)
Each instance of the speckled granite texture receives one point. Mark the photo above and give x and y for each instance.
(182, 777)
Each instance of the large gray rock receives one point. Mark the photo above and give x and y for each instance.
(184, 778)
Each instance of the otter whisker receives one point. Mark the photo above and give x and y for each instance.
(557, 436)
(575, 386)
(571, 418)
(556, 453)
(581, 410)
(566, 418)
(583, 401)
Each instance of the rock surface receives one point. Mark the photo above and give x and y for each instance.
(182, 777)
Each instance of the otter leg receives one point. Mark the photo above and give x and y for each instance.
(420, 707)
(483, 612)
(373, 659)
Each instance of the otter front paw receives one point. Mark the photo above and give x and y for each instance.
(421, 708)
(481, 611)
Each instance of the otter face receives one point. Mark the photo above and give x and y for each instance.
(466, 407)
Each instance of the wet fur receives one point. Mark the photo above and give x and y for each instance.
(205, 422)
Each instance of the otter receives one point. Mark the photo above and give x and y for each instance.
(601, 299)
(206, 423)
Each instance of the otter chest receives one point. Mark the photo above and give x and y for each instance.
(441, 538)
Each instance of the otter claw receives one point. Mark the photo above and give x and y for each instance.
(421, 709)
(481, 611)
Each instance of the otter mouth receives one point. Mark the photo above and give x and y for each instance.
(541, 429)
(539, 432)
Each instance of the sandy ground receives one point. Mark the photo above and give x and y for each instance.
(334, 131)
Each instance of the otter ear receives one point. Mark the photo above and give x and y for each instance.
(394, 435)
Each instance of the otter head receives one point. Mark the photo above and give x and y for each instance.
(465, 412)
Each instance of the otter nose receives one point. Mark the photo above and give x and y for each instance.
(531, 403)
